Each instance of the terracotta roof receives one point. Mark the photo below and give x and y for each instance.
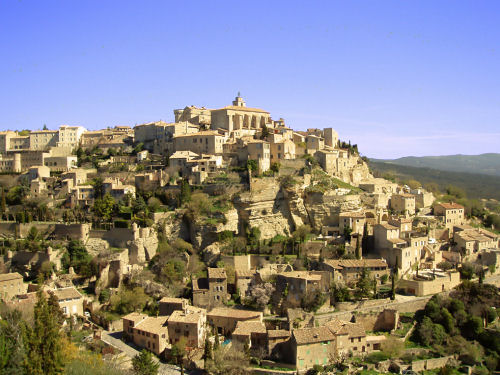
(172, 300)
(217, 273)
(278, 333)
(246, 109)
(249, 327)
(10, 276)
(388, 226)
(352, 214)
(235, 313)
(451, 206)
(153, 324)
(202, 133)
(67, 293)
(179, 316)
(302, 275)
(352, 263)
(312, 335)
(340, 327)
(135, 317)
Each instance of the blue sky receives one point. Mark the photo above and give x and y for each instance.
(397, 77)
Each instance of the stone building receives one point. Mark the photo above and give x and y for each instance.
(403, 204)
(188, 323)
(252, 334)
(211, 291)
(239, 117)
(203, 142)
(168, 305)
(349, 271)
(225, 320)
(70, 301)
(11, 284)
(353, 220)
(450, 213)
(147, 332)
(296, 285)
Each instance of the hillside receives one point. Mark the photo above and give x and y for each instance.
(475, 185)
(478, 164)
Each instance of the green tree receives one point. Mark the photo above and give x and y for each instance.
(358, 248)
(12, 348)
(364, 285)
(264, 132)
(275, 167)
(208, 350)
(393, 286)
(347, 233)
(179, 352)
(44, 345)
(253, 237)
(144, 364)
(3, 204)
(98, 184)
(185, 194)
(252, 165)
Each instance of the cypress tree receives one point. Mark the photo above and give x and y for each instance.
(44, 348)
(358, 248)
(3, 204)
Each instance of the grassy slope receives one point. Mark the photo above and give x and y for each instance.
(475, 185)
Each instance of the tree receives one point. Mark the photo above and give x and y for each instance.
(12, 345)
(179, 352)
(302, 232)
(227, 361)
(143, 364)
(252, 165)
(98, 184)
(185, 194)
(392, 347)
(393, 286)
(275, 167)
(3, 204)
(45, 127)
(358, 248)
(208, 350)
(253, 236)
(347, 233)
(260, 295)
(264, 132)
(363, 285)
(44, 348)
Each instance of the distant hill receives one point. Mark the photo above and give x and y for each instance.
(475, 185)
(479, 164)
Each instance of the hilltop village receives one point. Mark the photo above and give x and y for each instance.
(228, 242)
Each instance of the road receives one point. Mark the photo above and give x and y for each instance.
(114, 339)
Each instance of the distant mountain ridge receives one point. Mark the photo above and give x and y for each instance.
(488, 164)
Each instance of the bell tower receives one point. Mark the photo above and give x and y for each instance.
(238, 101)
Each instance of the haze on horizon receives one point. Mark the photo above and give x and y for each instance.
(397, 78)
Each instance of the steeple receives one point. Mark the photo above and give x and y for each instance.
(238, 101)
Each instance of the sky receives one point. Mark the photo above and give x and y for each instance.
(398, 78)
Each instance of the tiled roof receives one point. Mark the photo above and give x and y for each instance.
(67, 293)
(202, 133)
(216, 273)
(312, 335)
(135, 317)
(302, 275)
(183, 317)
(352, 214)
(451, 206)
(246, 109)
(355, 263)
(153, 324)
(235, 313)
(10, 276)
(249, 327)
(172, 300)
(278, 333)
(340, 327)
